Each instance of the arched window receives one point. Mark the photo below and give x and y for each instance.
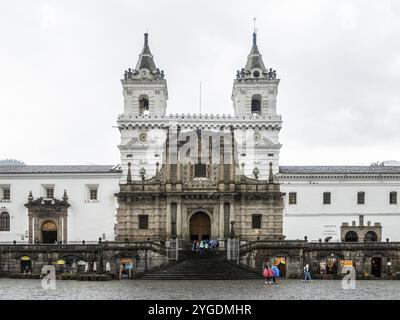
(4, 221)
(256, 105)
(144, 105)
(351, 236)
(371, 236)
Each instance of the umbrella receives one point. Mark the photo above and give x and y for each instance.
(81, 263)
(108, 267)
(60, 262)
(275, 270)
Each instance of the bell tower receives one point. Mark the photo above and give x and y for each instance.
(144, 87)
(255, 87)
(145, 100)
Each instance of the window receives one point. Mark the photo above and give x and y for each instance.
(393, 197)
(144, 105)
(4, 221)
(143, 221)
(351, 236)
(292, 198)
(5, 193)
(327, 198)
(256, 221)
(256, 104)
(49, 192)
(200, 170)
(361, 197)
(93, 194)
(371, 236)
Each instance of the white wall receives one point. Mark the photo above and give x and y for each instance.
(86, 220)
(312, 218)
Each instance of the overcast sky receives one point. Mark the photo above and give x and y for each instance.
(61, 63)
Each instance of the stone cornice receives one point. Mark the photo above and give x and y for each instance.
(337, 177)
(201, 121)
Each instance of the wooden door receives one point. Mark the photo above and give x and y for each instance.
(200, 226)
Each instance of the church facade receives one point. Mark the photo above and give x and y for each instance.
(199, 177)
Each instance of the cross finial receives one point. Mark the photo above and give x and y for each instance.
(254, 33)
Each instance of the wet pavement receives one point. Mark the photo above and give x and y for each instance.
(199, 289)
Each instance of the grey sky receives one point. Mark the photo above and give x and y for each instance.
(61, 63)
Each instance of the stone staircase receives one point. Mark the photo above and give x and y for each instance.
(207, 266)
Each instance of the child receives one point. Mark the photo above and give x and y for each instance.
(267, 274)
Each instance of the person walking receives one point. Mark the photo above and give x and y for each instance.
(267, 273)
(307, 272)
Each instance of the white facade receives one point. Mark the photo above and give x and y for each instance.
(310, 217)
(88, 219)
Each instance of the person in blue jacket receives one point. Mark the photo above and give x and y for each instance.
(275, 272)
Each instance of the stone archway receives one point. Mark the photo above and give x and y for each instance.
(351, 236)
(199, 226)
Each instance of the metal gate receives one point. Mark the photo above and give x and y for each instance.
(232, 250)
(172, 248)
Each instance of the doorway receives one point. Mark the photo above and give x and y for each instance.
(49, 232)
(376, 267)
(26, 264)
(200, 227)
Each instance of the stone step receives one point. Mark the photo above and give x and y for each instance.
(210, 266)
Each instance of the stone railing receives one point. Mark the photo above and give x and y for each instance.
(330, 246)
(138, 245)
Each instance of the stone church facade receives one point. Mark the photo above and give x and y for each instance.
(199, 176)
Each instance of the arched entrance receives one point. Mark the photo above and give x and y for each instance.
(200, 226)
(371, 236)
(49, 232)
(351, 236)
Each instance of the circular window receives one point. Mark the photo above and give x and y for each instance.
(143, 137)
(256, 74)
(257, 136)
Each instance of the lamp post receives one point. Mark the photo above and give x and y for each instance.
(256, 172)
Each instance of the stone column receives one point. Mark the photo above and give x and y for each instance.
(62, 232)
(168, 220)
(32, 230)
(179, 218)
(221, 218)
(232, 210)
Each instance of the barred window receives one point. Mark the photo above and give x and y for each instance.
(361, 197)
(327, 198)
(256, 221)
(143, 221)
(292, 198)
(4, 221)
(49, 192)
(6, 194)
(393, 197)
(93, 193)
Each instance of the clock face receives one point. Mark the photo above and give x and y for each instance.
(144, 73)
(143, 137)
(257, 136)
